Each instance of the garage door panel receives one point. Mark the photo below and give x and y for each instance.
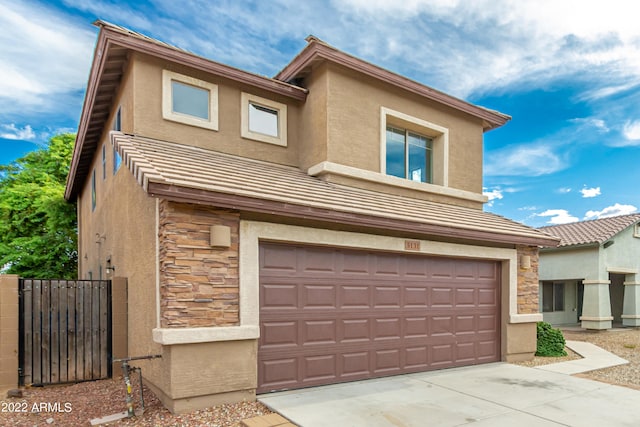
(279, 296)
(387, 361)
(442, 297)
(416, 327)
(386, 297)
(355, 363)
(279, 260)
(279, 334)
(355, 330)
(319, 296)
(355, 314)
(319, 332)
(416, 297)
(352, 296)
(442, 325)
(386, 329)
(323, 367)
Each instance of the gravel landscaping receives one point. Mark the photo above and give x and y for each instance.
(76, 405)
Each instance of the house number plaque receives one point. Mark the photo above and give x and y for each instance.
(412, 245)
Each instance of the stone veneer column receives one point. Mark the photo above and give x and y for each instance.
(631, 308)
(596, 310)
(528, 287)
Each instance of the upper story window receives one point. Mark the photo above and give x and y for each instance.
(117, 125)
(263, 120)
(189, 100)
(93, 190)
(413, 149)
(409, 155)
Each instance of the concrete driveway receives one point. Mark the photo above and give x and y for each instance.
(497, 394)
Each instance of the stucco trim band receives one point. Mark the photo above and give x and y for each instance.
(525, 318)
(596, 282)
(596, 319)
(631, 283)
(380, 178)
(173, 336)
(622, 270)
(630, 316)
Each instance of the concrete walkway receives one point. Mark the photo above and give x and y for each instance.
(593, 357)
(497, 394)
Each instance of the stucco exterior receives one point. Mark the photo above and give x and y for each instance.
(188, 250)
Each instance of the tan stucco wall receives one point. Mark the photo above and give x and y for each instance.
(313, 120)
(521, 341)
(202, 375)
(354, 103)
(122, 227)
(148, 121)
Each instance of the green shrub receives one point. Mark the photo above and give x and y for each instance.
(550, 341)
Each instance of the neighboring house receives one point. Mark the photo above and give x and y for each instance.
(593, 275)
(325, 225)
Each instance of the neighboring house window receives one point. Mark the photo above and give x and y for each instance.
(104, 162)
(93, 190)
(413, 149)
(117, 125)
(409, 155)
(91, 275)
(552, 296)
(189, 100)
(263, 120)
(636, 230)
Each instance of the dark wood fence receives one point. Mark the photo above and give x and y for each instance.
(65, 331)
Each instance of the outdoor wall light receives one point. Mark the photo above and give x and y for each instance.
(220, 236)
(110, 268)
(525, 262)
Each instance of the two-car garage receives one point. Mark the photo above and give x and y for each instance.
(330, 315)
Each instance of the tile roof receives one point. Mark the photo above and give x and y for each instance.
(180, 169)
(591, 232)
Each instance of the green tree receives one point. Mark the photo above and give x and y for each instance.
(38, 227)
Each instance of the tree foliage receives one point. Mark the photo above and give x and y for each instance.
(38, 227)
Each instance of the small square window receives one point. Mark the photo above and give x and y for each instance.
(263, 120)
(189, 100)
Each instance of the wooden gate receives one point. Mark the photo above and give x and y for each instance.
(65, 331)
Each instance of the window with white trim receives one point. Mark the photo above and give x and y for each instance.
(413, 149)
(189, 100)
(263, 120)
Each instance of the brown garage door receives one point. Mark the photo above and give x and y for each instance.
(332, 315)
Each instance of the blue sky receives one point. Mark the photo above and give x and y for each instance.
(567, 71)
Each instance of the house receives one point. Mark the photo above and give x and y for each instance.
(592, 276)
(321, 226)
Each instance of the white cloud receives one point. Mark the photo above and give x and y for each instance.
(558, 216)
(610, 211)
(493, 194)
(12, 132)
(592, 122)
(563, 190)
(529, 160)
(631, 130)
(590, 192)
(43, 56)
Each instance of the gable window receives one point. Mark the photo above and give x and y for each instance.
(409, 155)
(413, 149)
(117, 125)
(189, 100)
(263, 120)
(552, 296)
(93, 190)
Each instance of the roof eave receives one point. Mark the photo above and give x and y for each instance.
(230, 201)
(317, 50)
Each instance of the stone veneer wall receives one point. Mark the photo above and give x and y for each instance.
(198, 283)
(528, 281)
